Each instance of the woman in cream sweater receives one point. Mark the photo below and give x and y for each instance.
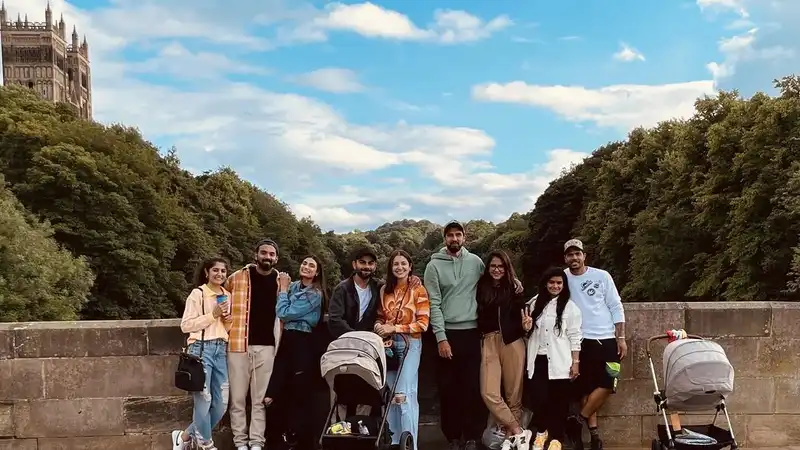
(207, 319)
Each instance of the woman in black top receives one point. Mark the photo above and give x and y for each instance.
(503, 348)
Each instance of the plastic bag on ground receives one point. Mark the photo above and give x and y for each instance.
(494, 434)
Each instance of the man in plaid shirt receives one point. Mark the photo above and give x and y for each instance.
(252, 343)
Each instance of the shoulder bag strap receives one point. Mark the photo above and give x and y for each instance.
(202, 333)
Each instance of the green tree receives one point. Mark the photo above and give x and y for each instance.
(39, 280)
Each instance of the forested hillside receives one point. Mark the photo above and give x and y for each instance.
(702, 209)
(97, 223)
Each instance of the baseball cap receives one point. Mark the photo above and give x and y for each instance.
(453, 224)
(362, 252)
(267, 241)
(573, 243)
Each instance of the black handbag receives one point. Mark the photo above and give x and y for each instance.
(190, 375)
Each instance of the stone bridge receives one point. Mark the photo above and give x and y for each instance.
(108, 384)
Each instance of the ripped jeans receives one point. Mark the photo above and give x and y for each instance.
(211, 403)
(404, 407)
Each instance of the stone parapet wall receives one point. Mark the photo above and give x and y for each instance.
(108, 384)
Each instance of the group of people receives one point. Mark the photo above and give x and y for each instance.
(258, 331)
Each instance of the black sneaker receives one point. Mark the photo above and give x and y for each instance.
(454, 445)
(574, 432)
(597, 443)
(471, 445)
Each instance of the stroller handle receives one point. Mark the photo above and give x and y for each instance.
(666, 336)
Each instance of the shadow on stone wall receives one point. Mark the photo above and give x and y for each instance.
(108, 384)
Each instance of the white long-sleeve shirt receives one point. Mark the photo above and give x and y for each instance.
(596, 295)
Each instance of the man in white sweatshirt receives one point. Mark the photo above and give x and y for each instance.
(603, 347)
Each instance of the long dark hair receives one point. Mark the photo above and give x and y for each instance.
(486, 289)
(318, 282)
(200, 276)
(391, 279)
(544, 297)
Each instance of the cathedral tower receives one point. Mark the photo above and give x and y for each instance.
(39, 56)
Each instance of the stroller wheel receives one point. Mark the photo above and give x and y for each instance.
(406, 441)
(656, 445)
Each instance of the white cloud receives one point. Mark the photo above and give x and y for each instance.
(742, 48)
(331, 79)
(176, 60)
(624, 106)
(627, 53)
(373, 21)
(474, 193)
(737, 6)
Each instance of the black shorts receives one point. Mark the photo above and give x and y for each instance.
(599, 366)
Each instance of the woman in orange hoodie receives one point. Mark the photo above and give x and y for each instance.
(403, 316)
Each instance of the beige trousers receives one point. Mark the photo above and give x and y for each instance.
(503, 365)
(249, 371)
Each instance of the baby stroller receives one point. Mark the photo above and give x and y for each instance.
(355, 367)
(697, 377)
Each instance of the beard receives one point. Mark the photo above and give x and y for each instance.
(365, 274)
(265, 264)
(454, 247)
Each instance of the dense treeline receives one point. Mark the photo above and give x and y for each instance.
(96, 223)
(702, 209)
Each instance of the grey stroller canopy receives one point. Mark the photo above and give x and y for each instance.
(697, 375)
(359, 353)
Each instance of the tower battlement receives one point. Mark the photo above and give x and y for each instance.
(40, 56)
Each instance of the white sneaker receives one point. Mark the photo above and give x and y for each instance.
(522, 441)
(507, 445)
(177, 441)
(255, 447)
(242, 447)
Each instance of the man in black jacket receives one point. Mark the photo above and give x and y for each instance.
(354, 303)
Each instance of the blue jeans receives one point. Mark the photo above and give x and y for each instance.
(211, 403)
(404, 407)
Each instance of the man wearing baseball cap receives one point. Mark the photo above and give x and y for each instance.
(354, 302)
(451, 278)
(603, 347)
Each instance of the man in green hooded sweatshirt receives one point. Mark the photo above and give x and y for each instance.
(451, 278)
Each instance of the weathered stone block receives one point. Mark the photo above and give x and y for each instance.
(619, 431)
(18, 444)
(633, 398)
(157, 414)
(787, 395)
(6, 419)
(81, 339)
(6, 342)
(738, 421)
(785, 317)
(69, 418)
(773, 430)
(124, 376)
(640, 364)
(643, 320)
(729, 319)
(165, 337)
(779, 357)
(752, 396)
(99, 443)
(21, 379)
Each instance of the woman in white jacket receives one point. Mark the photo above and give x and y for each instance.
(553, 324)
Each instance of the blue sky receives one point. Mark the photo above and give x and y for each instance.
(360, 113)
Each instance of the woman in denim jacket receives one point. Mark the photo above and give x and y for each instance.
(301, 305)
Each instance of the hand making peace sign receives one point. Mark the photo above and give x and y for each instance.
(527, 320)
